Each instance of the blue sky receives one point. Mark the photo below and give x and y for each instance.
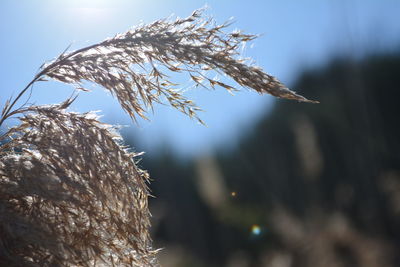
(296, 35)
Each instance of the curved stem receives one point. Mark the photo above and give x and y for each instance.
(40, 74)
(6, 113)
(44, 71)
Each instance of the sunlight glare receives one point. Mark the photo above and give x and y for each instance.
(90, 11)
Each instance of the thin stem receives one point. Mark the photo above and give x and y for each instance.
(6, 113)
(40, 74)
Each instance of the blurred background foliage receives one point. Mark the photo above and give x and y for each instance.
(309, 185)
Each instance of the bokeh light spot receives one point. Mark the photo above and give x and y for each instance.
(255, 229)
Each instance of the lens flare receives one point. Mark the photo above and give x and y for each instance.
(255, 229)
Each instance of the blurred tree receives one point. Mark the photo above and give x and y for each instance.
(332, 168)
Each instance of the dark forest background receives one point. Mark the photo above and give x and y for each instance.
(310, 185)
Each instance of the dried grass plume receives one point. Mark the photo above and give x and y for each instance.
(70, 193)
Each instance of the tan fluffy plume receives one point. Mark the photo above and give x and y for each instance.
(70, 193)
